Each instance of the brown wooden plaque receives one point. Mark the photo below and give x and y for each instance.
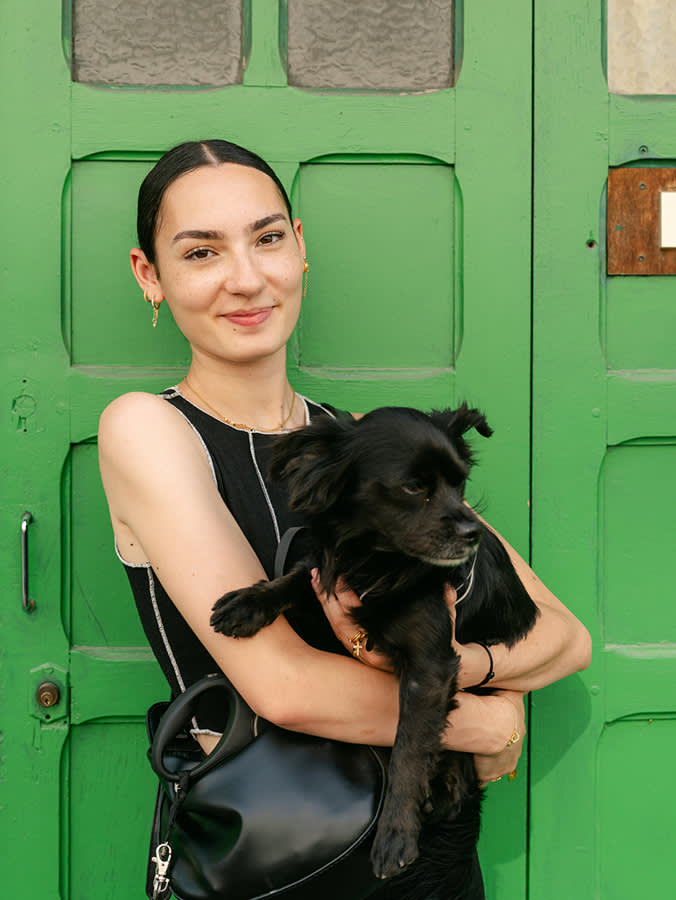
(633, 229)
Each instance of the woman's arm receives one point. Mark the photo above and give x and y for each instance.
(556, 646)
(165, 509)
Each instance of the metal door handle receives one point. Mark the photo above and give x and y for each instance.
(28, 604)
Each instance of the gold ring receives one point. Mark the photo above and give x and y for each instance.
(512, 775)
(358, 643)
(499, 778)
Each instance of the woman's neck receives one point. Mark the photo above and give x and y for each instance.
(257, 396)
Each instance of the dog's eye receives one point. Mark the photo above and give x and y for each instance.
(414, 488)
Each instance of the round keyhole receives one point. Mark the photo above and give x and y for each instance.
(48, 694)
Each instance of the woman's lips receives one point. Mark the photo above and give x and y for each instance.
(249, 318)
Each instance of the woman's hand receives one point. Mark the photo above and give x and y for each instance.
(337, 609)
(492, 767)
(474, 660)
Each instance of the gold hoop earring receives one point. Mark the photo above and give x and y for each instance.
(306, 269)
(155, 305)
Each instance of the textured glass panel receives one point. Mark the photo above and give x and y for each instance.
(380, 245)
(638, 530)
(391, 46)
(102, 607)
(110, 323)
(641, 47)
(635, 828)
(157, 42)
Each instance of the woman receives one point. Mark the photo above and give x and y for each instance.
(184, 475)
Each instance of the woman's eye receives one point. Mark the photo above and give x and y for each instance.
(271, 237)
(199, 253)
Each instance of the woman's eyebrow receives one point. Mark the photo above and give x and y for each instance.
(265, 221)
(200, 235)
(196, 234)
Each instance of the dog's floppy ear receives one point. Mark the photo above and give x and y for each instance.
(313, 463)
(456, 422)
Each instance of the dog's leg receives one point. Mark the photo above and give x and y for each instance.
(242, 613)
(428, 672)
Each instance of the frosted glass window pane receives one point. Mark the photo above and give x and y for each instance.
(405, 45)
(157, 42)
(641, 47)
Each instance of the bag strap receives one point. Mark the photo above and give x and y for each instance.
(283, 549)
(239, 731)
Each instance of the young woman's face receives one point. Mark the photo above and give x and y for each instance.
(230, 263)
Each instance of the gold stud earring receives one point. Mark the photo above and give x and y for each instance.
(306, 269)
(155, 305)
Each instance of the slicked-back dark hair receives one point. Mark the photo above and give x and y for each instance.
(176, 162)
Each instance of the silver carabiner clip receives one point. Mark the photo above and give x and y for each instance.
(161, 859)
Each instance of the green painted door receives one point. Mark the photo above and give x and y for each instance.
(408, 156)
(603, 786)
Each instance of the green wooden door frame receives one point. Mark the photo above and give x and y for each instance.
(602, 794)
(479, 130)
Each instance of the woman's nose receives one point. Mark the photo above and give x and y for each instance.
(243, 275)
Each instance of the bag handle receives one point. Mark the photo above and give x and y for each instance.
(238, 732)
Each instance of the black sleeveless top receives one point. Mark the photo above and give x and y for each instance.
(239, 461)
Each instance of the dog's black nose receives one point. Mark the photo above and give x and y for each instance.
(468, 530)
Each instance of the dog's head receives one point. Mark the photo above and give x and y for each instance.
(395, 477)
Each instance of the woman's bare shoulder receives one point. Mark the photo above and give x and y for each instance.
(140, 429)
(133, 409)
(136, 415)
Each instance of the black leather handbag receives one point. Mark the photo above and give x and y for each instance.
(269, 813)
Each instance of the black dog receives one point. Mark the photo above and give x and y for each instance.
(383, 499)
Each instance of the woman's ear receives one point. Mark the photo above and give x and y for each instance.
(298, 231)
(145, 274)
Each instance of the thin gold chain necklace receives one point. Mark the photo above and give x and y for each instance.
(240, 424)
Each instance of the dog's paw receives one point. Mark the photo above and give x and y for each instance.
(237, 615)
(392, 852)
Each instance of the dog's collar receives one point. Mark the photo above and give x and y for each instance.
(468, 584)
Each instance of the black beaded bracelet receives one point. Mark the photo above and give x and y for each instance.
(491, 673)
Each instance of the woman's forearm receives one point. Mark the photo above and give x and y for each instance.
(365, 707)
(556, 646)
(485, 724)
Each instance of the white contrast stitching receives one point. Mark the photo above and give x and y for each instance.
(163, 633)
(201, 440)
(252, 450)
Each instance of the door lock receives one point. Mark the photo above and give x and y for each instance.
(48, 694)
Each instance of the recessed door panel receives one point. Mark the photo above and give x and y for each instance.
(381, 241)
